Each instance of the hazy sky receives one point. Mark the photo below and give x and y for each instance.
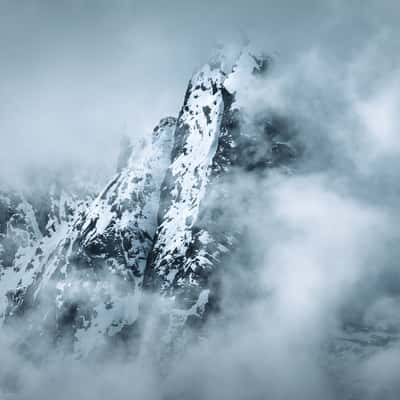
(76, 75)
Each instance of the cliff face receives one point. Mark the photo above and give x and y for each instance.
(162, 225)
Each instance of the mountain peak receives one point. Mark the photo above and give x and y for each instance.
(161, 225)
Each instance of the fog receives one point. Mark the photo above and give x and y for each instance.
(76, 76)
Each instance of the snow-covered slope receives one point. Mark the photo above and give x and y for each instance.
(86, 284)
(31, 225)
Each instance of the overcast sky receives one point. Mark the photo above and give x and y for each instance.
(76, 75)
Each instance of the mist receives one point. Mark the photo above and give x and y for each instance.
(323, 239)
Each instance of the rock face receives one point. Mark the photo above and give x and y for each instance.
(181, 256)
(99, 268)
(18, 226)
(31, 225)
(196, 231)
(162, 225)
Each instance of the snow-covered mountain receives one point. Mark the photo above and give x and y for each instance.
(162, 225)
